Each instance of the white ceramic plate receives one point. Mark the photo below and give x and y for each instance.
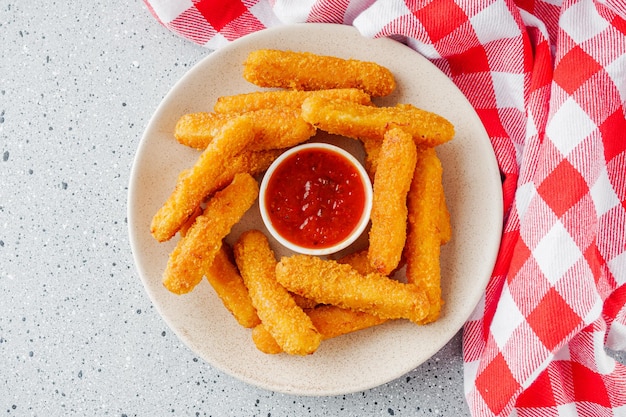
(367, 358)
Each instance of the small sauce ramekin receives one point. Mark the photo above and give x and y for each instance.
(316, 199)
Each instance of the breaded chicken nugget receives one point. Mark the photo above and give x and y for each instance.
(274, 128)
(331, 321)
(285, 99)
(330, 282)
(424, 238)
(369, 122)
(194, 253)
(230, 288)
(287, 323)
(307, 71)
(392, 181)
(199, 182)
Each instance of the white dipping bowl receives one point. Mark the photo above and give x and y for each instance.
(350, 237)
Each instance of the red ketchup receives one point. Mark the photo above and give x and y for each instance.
(315, 198)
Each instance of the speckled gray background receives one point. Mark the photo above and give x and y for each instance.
(78, 334)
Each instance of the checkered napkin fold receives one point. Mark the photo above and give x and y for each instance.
(548, 80)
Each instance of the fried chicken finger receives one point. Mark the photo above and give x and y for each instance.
(331, 321)
(285, 99)
(307, 71)
(194, 253)
(230, 288)
(274, 128)
(369, 122)
(392, 181)
(329, 282)
(192, 188)
(287, 323)
(424, 237)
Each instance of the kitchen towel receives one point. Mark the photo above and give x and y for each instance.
(548, 80)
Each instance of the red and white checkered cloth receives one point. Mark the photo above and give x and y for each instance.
(548, 80)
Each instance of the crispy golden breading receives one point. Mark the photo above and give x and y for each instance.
(372, 151)
(287, 323)
(284, 99)
(392, 181)
(369, 122)
(358, 261)
(251, 162)
(274, 128)
(307, 71)
(194, 253)
(196, 212)
(303, 302)
(331, 321)
(445, 226)
(330, 282)
(192, 188)
(197, 130)
(424, 238)
(264, 341)
(230, 288)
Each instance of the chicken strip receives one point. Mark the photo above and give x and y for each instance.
(392, 181)
(285, 99)
(330, 282)
(195, 252)
(331, 321)
(230, 288)
(274, 129)
(307, 71)
(424, 237)
(369, 122)
(286, 322)
(199, 181)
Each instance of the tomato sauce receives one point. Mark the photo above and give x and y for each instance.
(315, 198)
